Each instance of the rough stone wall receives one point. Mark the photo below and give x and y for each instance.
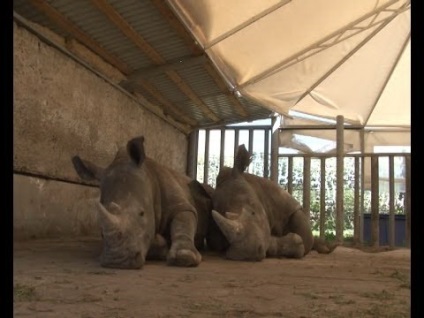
(62, 109)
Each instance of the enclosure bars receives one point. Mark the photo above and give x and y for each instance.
(194, 149)
(359, 172)
(358, 203)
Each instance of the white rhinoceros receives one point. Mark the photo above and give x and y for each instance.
(257, 218)
(146, 210)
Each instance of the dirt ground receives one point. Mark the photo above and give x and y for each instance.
(63, 278)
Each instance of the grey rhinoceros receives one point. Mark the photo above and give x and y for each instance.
(257, 218)
(146, 210)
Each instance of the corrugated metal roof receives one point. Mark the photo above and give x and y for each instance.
(196, 89)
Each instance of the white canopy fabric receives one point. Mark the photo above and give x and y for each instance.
(317, 57)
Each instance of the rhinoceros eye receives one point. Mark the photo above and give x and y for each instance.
(141, 213)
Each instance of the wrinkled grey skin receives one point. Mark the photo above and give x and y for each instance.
(257, 218)
(147, 211)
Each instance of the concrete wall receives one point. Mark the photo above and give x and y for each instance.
(62, 109)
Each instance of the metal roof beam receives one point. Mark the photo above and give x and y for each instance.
(388, 77)
(324, 43)
(156, 58)
(182, 63)
(344, 59)
(238, 107)
(247, 23)
(181, 30)
(64, 23)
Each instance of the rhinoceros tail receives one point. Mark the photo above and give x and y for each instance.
(324, 247)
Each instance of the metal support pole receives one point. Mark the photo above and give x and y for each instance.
(339, 180)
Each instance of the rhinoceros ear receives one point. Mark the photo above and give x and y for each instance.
(87, 170)
(242, 160)
(135, 148)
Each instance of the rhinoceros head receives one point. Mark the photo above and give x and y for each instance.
(239, 213)
(125, 209)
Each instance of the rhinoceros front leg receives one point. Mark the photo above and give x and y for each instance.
(158, 249)
(290, 245)
(182, 251)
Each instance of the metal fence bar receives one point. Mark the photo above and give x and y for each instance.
(266, 154)
(356, 205)
(408, 200)
(334, 155)
(359, 171)
(375, 219)
(274, 149)
(250, 141)
(290, 175)
(307, 186)
(222, 149)
(236, 140)
(322, 201)
(206, 167)
(339, 180)
(391, 201)
(361, 217)
(192, 154)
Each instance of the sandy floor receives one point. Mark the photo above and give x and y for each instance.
(64, 279)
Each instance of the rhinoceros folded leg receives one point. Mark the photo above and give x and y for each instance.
(323, 247)
(158, 249)
(299, 224)
(290, 245)
(182, 251)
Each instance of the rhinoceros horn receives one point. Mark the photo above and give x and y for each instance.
(230, 226)
(111, 221)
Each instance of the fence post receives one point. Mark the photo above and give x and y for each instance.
(356, 207)
(192, 154)
(266, 153)
(206, 167)
(408, 200)
(375, 215)
(274, 149)
(222, 149)
(391, 201)
(290, 175)
(339, 179)
(307, 186)
(236, 141)
(322, 201)
(361, 215)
